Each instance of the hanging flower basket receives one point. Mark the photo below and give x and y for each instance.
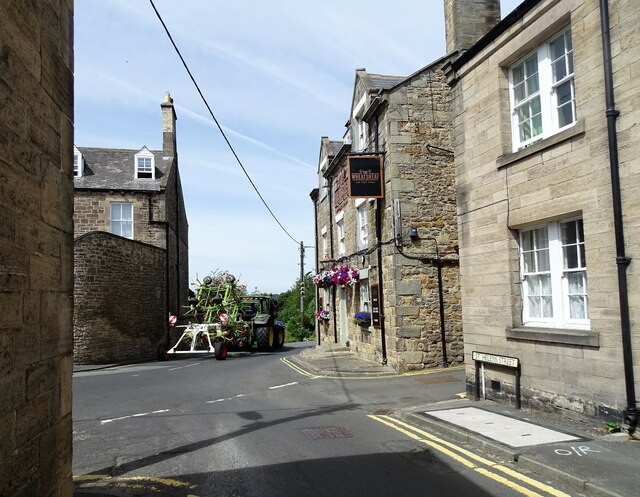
(345, 276)
(322, 316)
(362, 318)
(324, 279)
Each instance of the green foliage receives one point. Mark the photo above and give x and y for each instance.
(613, 427)
(218, 293)
(288, 311)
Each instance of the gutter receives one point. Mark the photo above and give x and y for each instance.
(379, 219)
(622, 261)
(314, 197)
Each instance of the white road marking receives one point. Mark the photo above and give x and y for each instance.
(240, 395)
(187, 366)
(285, 385)
(104, 421)
(214, 401)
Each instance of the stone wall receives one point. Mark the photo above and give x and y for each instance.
(501, 192)
(415, 135)
(119, 299)
(177, 245)
(36, 238)
(92, 213)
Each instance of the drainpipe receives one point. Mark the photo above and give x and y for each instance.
(177, 239)
(622, 261)
(314, 197)
(333, 288)
(383, 335)
(166, 265)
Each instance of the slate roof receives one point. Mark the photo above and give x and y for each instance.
(114, 169)
(380, 81)
(335, 147)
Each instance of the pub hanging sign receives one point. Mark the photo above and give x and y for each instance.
(365, 176)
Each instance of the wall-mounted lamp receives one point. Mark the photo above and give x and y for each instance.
(413, 233)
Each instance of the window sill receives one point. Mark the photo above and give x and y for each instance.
(554, 335)
(567, 134)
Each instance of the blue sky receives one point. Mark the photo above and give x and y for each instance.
(278, 76)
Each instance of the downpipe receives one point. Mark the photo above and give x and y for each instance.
(622, 261)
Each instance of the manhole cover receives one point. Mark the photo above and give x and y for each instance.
(326, 432)
(431, 380)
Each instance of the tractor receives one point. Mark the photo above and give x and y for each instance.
(221, 318)
(266, 333)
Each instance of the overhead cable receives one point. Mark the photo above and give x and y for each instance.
(166, 29)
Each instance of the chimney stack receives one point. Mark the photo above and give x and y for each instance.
(168, 127)
(466, 21)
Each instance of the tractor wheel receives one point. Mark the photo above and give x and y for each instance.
(220, 349)
(265, 338)
(279, 338)
(162, 352)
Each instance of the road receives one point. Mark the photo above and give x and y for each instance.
(254, 426)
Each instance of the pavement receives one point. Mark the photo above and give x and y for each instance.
(580, 454)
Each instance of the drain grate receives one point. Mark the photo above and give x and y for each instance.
(326, 432)
(431, 379)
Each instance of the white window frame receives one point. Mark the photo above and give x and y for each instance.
(545, 98)
(325, 244)
(78, 163)
(325, 300)
(117, 222)
(148, 170)
(342, 250)
(324, 182)
(365, 296)
(359, 131)
(547, 260)
(362, 224)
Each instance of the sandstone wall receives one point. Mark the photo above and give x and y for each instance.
(119, 299)
(36, 248)
(501, 192)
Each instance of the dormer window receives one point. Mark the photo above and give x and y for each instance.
(78, 163)
(145, 164)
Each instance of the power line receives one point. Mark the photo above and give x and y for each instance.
(166, 29)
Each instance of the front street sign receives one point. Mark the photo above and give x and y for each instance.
(500, 360)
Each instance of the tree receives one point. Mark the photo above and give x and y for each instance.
(288, 310)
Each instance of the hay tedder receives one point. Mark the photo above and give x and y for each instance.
(223, 319)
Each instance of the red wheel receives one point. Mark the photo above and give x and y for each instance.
(220, 349)
(162, 352)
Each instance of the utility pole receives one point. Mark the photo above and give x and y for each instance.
(302, 283)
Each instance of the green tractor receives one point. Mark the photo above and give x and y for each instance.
(267, 334)
(226, 319)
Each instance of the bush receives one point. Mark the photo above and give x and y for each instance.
(288, 311)
(295, 332)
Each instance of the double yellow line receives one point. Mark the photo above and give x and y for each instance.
(304, 372)
(472, 461)
(297, 368)
(133, 483)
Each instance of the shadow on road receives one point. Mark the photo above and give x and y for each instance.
(414, 472)
(183, 449)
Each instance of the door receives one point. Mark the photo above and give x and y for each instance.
(344, 323)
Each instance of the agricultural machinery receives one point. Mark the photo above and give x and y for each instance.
(223, 319)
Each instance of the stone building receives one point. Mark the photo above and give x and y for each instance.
(547, 145)
(36, 248)
(407, 120)
(131, 247)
